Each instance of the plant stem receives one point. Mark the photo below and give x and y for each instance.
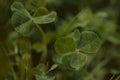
(44, 55)
(22, 72)
(14, 76)
(118, 78)
(41, 30)
(112, 77)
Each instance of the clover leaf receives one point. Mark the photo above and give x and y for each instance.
(78, 60)
(90, 42)
(65, 45)
(24, 22)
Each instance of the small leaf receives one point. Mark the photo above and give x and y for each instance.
(90, 42)
(40, 12)
(66, 61)
(38, 47)
(78, 60)
(77, 34)
(57, 58)
(20, 17)
(34, 4)
(22, 23)
(84, 17)
(65, 45)
(17, 6)
(42, 68)
(53, 67)
(45, 19)
(25, 29)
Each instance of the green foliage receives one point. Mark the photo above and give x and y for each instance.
(71, 55)
(24, 22)
(45, 19)
(59, 40)
(89, 42)
(65, 45)
(78, 60)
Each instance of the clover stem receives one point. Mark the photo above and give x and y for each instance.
(44, 54)
(112, 77)
(14, 75)
(118, 78)
(41, 30)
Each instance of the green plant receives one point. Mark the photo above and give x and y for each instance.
(72, 46)
(43, 46)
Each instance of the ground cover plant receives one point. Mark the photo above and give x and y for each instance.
(59, 40)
